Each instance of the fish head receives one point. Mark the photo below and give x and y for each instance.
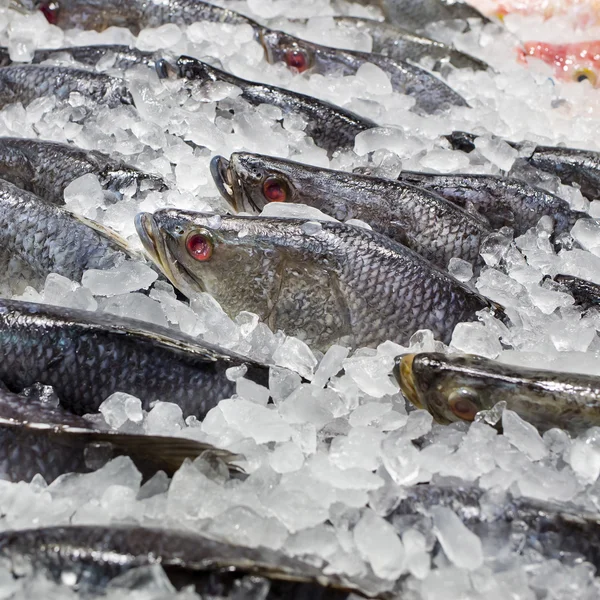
(451, 387)
(191, 68)
(299, 55)
(250, 181)
(231, 258)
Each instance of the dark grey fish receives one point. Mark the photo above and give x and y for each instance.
(25, 83)
(435, 228)
(46, 168)
(98, 554)
(38, 438)
(87, 356)
(120, 57)
(331, 127)
(48, 239)
(585, 293)
(570, 165)
(417, 14)
(133, 14)
(401, 44)
(522, 525)
(502, 201)
(325, 282)
(431, 94)
(457, 387)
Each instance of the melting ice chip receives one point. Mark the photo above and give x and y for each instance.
(127, 277)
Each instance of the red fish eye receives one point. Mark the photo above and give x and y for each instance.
(296, 59)
(274, 190)
(50, 10)
(199, 247)
(463, 408)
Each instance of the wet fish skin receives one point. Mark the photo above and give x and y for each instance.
(502, 201)
(455, 387)
(585, 293)
(330, 126)
(560, 531)
(435, 228)
(133, 14)
(431, 94)
(401, 44)
(49, 239)
(25, 83)
(46, 168)
(323, 281)
(96, 554)
(87, 356)
(36, 437)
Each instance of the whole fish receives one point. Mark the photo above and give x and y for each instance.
(322, 281)
(502, 201)
(38, 438)
(578, 61)
(25, 83)
(430, 94)
(417, 14)
(401, 44)
(97, 554)
(46, 168)
(435, 228)
(563, 531)
(49, 239)
(331, 127)
(87, 356)
(120, 56)
(133, 14)
(570, 165)
(457, 387)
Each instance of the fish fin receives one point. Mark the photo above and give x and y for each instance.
(113, 236)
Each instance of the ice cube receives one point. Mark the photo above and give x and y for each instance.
(165, 418)
(460, 269)
(587, 233)
(330, 364)
(294, 354)
(129, 276)
(286, 458)
(584, 456)
(119, 408)
(444, 161)
(84, 196)
(476, 338)
(249, 390)
(523, 435)
(496, 151)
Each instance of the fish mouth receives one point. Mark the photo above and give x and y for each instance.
(266, 46)
(223, 178)
(403, 372)
(154, 245)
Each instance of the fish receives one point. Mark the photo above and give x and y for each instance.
(430, 93)
(435, 228)
(330, 126)
(121, 56)
(134, 14)
(46, 168)
(87, 356)
(417, 14)
(572, 166)
(38, 438)
(578, 61)
(501, 201)
(585, 293)
(324, 282)
(525, 526)
(457, 387)
(402, 44)
(96, 554)
(25, 83)
(49, 239)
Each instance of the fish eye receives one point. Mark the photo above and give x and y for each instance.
(275, 189)
(584, 74)
(199, 246)
(50, 10)
(297, 58)
(462, 403)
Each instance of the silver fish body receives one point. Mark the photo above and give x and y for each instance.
(402, 44)
(430, 93)
(457, 387)
(46, 168)
(87, 356)
(502, 201)
(37, 438)
(325, 282)
(96, 554)
(25, 83)
(435, 228)
(331, 127)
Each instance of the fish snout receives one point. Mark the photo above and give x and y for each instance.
(147, 230)
(220, 169)
(403, 372)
